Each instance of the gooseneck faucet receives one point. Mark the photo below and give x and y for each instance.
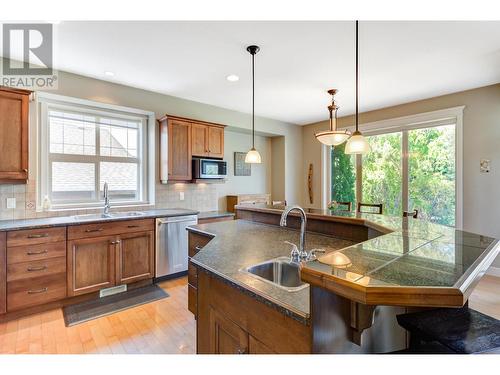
(106, 200)
(302, 251)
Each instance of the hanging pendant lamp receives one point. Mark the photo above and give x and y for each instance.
(333, 137)
(357, 144)
(253, 155)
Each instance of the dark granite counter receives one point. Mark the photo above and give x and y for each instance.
(238, 244)
(413, 262)
(214, 214)
(7, 225)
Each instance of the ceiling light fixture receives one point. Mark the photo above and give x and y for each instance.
(109, 74)
(333, 137)
(253, 155)
(357, 144)
(233, 78)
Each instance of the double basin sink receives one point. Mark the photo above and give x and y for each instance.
(281, 272)
(109, 216)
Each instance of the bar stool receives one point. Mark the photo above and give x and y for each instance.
(413, 214)
(448, 330)
(347, 204)
(378, 208)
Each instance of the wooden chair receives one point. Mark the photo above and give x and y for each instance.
(378, 207)
(279, 203)
(347, 204)
(413, 214)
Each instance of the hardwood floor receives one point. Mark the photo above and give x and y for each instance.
(164, 326)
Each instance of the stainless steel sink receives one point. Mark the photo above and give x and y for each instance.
(109, 216)
(280, 272)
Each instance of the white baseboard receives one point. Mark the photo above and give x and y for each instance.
(493, 271)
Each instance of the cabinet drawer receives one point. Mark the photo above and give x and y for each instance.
(197, 242)
(29, 253)
(192, 299)
(35, 236)
(192, 275)
(107, 229)
(30, 292)
(29, 270)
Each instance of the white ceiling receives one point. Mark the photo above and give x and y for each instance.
(399, 61)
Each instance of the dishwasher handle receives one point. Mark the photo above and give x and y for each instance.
(177, 219)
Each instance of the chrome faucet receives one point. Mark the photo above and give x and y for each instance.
(302, 253)
(107, 206)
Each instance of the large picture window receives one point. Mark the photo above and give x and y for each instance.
(410, 166)
(84, 147)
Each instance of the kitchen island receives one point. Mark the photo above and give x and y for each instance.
(375, 268)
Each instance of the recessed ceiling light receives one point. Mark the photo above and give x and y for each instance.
(232, 78)
(109, 74)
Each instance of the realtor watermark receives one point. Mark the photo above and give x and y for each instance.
(28, 54)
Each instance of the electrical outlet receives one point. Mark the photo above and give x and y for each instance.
(181, 195)
(484, 166)
(11, 202)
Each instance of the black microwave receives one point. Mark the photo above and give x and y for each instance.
(209, 168)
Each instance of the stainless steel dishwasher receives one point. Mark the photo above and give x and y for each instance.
(172, 244)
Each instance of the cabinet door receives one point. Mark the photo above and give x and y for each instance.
(13, 136)
(91, 264)
(179, 150)
(257, 347)
(135, 257)
(3, 273)
(216, 142)
(226, 337)
(199, 139)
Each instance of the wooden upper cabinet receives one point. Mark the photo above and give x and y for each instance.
(179, 150)
(199, 135)
(14, 111)
(135, 257)
(215, 142)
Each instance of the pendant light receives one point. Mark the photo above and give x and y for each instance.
(253, 155)
(333, 137)
(357, 144)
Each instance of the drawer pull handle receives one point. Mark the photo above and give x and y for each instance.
(37, 252)
(43, 290)
(42, 235)
(133, 226)
(34, 269)
(115, 242)
(93, 230)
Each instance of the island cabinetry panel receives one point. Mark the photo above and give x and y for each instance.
(196, 242)
(221, 307)
(3, 273)
(14, 113)
(135, 257)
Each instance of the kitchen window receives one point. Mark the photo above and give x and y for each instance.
(85, 144)
(415, 163)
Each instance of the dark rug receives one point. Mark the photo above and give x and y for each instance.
(88, 310)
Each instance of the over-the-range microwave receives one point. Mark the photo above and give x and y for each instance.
(209, 168)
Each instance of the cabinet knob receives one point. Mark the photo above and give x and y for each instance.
(115, 242)
(25, 170)
(242, 351)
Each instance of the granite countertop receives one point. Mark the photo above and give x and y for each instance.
(214, 214)
(6, 225)
(238, 244)
(413, 263)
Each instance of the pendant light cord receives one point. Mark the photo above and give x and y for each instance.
(357, 75)
(253, 101)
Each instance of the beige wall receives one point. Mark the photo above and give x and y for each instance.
(201, 197)
(278, 173)
(481, 134)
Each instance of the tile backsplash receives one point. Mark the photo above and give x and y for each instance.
(201, 197)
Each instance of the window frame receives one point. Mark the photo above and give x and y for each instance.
(448, 116)
(145, 154)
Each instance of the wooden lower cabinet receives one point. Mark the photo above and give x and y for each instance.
(135, 257)
(3, 272)
(196, 242)
(231, 321)
(91, 264)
